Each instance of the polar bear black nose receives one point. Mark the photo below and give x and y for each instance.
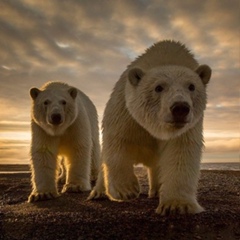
(56, 119)
(180, 110)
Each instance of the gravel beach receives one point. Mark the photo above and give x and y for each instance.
(72, 217)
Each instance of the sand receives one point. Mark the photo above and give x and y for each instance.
(72, 217)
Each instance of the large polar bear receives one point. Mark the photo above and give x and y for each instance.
(64, 122)
(155, 117)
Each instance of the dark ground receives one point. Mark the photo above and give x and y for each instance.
(72, 217)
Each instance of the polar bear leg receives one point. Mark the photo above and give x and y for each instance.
(179, 178)
(95, 160)
(99, 190)
(44, 174)
(62, 171)
(153, 178)
(78, 170)
(120, 180)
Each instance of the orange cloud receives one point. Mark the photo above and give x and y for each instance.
(222, 145)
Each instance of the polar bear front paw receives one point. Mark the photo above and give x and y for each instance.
(123, 192)
(173, 207)
(96, 194)
(76, 188)
(36, 196)
(153, 193)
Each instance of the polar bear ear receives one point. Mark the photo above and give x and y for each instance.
(204, 72)
(34, 92)
(135, 75)
(73, 92)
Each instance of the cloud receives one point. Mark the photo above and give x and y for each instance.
(222, 145)
(14, 126)
(89, 44)
(16, 151)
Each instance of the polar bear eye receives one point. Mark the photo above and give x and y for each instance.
(158, 88)
(191, 87)
(63, 102)
(46, 102)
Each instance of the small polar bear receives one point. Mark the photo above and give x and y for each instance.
(64, 123)
(155, 117)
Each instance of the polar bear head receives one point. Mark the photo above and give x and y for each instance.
(167, 100)
(54, 109)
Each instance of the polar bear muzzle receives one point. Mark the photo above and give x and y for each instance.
(180, 111)
(56, 119)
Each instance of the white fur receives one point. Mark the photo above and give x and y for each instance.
(76, 138)
(138, 127)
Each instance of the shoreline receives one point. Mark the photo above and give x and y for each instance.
(228, 166)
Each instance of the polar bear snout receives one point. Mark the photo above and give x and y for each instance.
(56, 115)
(56, 119)
(180, 111)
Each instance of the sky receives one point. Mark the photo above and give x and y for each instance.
(89, 43)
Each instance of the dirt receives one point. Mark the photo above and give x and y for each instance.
(72, 217)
